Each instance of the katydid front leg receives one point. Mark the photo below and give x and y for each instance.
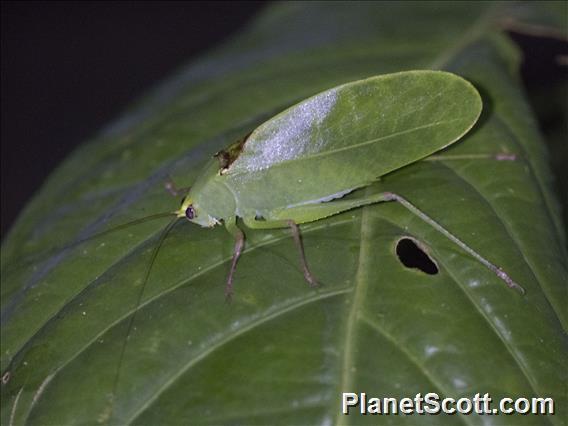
(172, 188)
(231, 226)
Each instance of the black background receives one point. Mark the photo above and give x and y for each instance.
(70, 68)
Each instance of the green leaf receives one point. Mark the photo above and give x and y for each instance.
(281, 352)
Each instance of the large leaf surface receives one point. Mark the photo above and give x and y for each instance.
(281, 352)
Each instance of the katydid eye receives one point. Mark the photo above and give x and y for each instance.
(190, 212)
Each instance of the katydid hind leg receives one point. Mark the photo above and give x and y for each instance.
(500, 156)
(311, 212)
(389, 196)
(298, 240)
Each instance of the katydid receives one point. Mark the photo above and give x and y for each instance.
(296, 167)
(300, 165)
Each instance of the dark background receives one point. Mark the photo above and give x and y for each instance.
(68, 69)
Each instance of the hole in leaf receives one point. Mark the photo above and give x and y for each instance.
(412, 255)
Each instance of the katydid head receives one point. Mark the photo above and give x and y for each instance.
(209, 201)
(194, 213)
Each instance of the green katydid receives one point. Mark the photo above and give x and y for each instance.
(296, 167)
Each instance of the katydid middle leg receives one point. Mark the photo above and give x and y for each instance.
(308, 276)
(291, 217)
(298, 240)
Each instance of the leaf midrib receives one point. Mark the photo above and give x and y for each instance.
(357, 314)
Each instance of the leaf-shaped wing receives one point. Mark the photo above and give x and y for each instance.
(349, 136)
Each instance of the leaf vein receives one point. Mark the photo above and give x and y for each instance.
(402, 348)
(505, 343)
(232, 336)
